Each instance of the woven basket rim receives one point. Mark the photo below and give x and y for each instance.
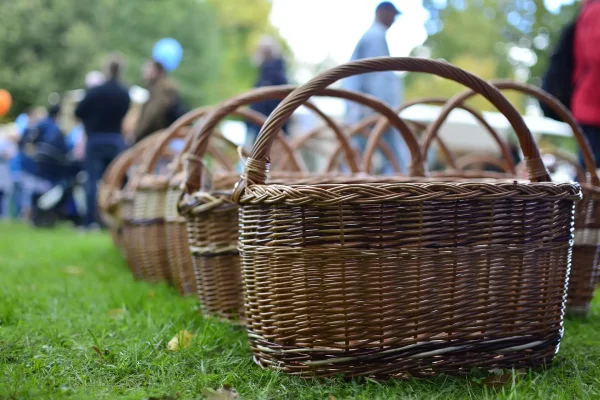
(328, 194)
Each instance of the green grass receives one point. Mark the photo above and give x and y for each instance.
(74, 323)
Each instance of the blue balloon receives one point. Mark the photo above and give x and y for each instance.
(168, 53)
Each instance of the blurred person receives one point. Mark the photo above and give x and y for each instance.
(386, 86)
(271, 73)
(102, 111)
(8, 149)
(164, 105)
(23, 122)
(585, 100)
(38, 177)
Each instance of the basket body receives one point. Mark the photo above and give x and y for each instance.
(147, 226)
(178, 252)
(585, 253)
(405, 279)
(213, 232)
(131, 248)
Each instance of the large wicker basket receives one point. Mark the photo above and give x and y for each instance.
(411, 277)
(587, 212)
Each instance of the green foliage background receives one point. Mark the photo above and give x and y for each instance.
(49, 45)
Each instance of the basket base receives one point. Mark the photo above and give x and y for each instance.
(425, 359)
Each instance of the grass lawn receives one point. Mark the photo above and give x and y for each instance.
(74, 323)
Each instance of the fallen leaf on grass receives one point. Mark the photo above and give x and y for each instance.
(182, 340)
(151, 294)
(227, 392)
(73, 270)
(332, 397)
(100, 352)
(117, 313)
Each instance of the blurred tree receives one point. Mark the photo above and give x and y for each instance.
(241, 24)
(49, 45)
(495, 39)
(45, 47)
(133, 26)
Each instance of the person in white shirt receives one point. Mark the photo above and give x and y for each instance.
(386, 86)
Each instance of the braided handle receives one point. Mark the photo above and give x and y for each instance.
(256, 169)
(383, 125)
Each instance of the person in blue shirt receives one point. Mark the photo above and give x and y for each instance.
(386, 86)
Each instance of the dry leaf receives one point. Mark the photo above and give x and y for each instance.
(227, 392)
(182, 340)
(332, 397)
(117, 313)
(97, 350)
(73, 270)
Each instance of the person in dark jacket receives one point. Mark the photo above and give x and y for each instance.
(585, 101)
(164, 105)
(271, 73)
(102, 111)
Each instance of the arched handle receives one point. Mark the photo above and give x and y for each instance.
(383, 125)
(564, 114)
(172, 132)
(190, 141)
(257, 165)
(280, 92)
(117, 170)
(362, 128)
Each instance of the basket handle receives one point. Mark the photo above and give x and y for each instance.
(190, 140)
(539, 94)
(280, 92)
(580, 171)
(362, 128)
(170, 133)
(564, 114)
(257, 165)
(382, 126)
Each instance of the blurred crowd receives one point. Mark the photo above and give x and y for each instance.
(37, 156)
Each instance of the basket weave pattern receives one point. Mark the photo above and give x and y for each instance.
(364, 283)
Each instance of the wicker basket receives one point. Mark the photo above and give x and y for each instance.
(178, 251)
(213, 218)
(587, 212)
(111, 186)
(147, 219)
(414, 277)
(134, 248)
